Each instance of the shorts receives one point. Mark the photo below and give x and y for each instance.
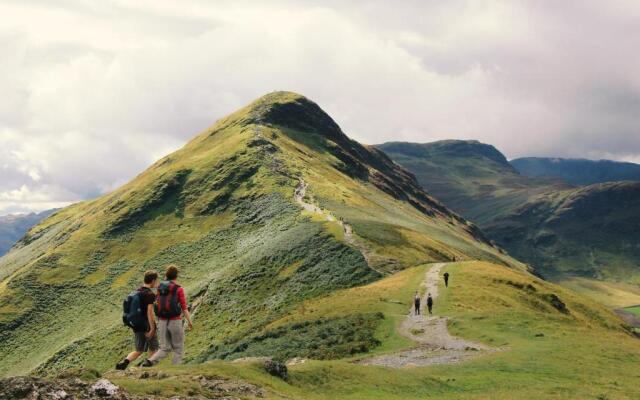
(143, 343)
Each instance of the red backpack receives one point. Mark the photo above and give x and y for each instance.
(168, 304)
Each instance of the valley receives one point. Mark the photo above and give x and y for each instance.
(586, 237)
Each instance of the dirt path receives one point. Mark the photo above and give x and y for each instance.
(349, 237)
(435, 344)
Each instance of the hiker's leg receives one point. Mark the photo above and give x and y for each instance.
(152, 346)
(165, 342)
(177, 340)
(133, 355)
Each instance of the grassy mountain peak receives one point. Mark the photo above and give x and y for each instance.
(224, 209)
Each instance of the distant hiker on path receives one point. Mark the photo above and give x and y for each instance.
(429, 303)
(416, 304)
(446, 279)
(171, 305)
(139, 316)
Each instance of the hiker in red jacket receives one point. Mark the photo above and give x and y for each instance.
(171, 306)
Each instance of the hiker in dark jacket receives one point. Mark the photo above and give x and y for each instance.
(144, 336)
(446, 279)
(171, 306)
(416, 304)
(429, 303)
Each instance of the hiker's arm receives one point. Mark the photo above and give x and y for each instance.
(152, 321)
(185, 310)
(187, 315)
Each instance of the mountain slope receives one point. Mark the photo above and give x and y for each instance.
(223, 209)
(13, 227)
(578, 171)
(470, 177)
(551, 342)
(563, 231)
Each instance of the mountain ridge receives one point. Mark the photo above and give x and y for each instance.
(223, 208)
(578, 171)
(559, 228)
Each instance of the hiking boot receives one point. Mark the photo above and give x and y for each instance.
(147, 363)
(122, 365)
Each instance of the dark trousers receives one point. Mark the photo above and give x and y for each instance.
(417, 309)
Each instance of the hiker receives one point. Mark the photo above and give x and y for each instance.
(416, 304)
(138, 314)
(429, 303)
(446, 279)
(171, 306)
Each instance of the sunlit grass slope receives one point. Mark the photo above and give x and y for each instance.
(222, 208)
(550, 344)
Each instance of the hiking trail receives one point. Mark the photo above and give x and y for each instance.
(349, 237)
(435, 344)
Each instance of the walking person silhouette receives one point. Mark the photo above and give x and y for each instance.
(429, 303)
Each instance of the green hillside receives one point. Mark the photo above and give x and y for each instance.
(578, 171)
(591, 232)
(470, 177)
(549, 343)
(223, 208)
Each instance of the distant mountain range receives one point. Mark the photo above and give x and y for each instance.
(14, 226)
(563, 230)
(578, 171)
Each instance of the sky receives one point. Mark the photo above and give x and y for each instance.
(92, 92)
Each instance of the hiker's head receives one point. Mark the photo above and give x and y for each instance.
(151, 278)
(171, 273)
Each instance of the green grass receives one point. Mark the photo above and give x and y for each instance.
(564, 232)
(634, 309)
(543, 353)
(222, 208)
(611, 294)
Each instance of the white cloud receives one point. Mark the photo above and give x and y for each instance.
(93, 92)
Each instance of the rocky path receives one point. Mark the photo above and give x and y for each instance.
(349, 237)
(435, 344)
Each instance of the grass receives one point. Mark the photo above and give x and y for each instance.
(562, 231)
(543, 353)
(222, 209)
(634, 309)
(266, 278)
(611, 294)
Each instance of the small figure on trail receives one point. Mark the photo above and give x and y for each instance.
(429, 303)
(416, 304)
(446, 279)
(139, 316)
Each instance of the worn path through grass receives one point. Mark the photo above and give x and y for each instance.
(435, 344)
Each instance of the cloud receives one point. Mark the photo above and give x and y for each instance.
(93, 92)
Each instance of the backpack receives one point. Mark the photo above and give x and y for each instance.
(168, 305)
(133, 315)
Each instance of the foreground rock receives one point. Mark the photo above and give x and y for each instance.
(32, 388)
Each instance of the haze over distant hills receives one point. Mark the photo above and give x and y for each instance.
(14, 226)
(578, 171)
(564, 231)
